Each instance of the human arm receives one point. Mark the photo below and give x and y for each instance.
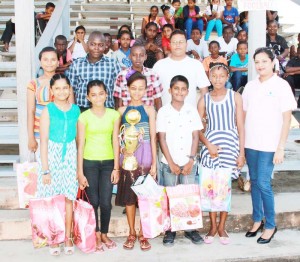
(271, 16)
(144, 22)
(293, 51)
(187, 168)
(115, 175)
(152, 115)
(44, 16)
(284, 54)
(241, 129)
(157, 103)
(84, 44)
(72, 46)
(32, 143)
(241, 69)
(44, 136)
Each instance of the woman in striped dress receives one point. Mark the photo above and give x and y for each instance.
(222, 111)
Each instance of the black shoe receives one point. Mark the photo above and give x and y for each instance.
(124, 211)
(169, 238)
(253, 234)
(194, 236)
(266, 241)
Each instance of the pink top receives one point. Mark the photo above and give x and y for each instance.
(193, 13)
(163, 21)
(264, 103)
(69, 58)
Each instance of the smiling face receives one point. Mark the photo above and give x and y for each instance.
(125, 41)
(96, 47)
(179, 91)
(176, 5)
(61, 90)
(191, 4)
(228, 34)
(242, 50)
(218, 77)
(196, 36)
(97, 96)
(264, 65)
(137, 90)
(214, 49)
(272, 28)
(49, 61)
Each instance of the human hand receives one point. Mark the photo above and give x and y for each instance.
(83, 183)
(278, 156)
(213, 150)
(195, 54)
(115, 176)
(187, 169)
(175, 169)
(46, 179)
(153, 171)
(240, 161)
(32, 144)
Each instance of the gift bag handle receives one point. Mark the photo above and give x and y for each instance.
(84, 194)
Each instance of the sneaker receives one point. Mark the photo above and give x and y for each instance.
(194, 236)
(169, 238)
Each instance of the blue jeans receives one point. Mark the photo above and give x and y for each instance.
(215, 23)
(238, 79)
(99, 192)
(245, 27)
(189, 25)
(170, 179)
(261, 167)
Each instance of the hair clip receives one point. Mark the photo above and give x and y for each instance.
(129, 74)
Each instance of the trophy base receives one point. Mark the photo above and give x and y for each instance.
(130, 163)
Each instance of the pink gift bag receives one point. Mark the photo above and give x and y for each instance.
(27, 182)
(84, 226)
(47, 217)
(154, 213)
(185, 207)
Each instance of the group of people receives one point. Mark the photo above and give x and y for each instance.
(74, 117)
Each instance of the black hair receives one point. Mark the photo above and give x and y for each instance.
(197, 29)
(179, 78)
(136, 76)
(168, 26)
(194, 1)
(95, 34)
(128, 29)
(227, 27)
(93, 83)
(165, 8)
(176, 1)
(178, 32)
(138, 46)
(58, 77)
(64, 54)
(154, 6)
(241, 43)
(214, 42)
(123, 32)
(47, 49)
(218, 65)
(80, 27)
(271, 22)
(147, 26)
(241, 31)
(50, 4)
(106, 34)
(268, 51)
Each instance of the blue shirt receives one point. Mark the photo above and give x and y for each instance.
(82, 71)
(235, 61)
(229, 15)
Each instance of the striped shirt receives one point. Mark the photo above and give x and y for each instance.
(82, 71)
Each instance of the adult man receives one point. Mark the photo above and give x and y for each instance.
(93, 66)
(154, 88)
(178, 63)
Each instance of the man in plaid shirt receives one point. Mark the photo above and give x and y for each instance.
(154, 87)
(93, 66)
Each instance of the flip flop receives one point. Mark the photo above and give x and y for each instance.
(110, 245)
(99, 248)
(144, 244)
(54, 251)
(129, 244)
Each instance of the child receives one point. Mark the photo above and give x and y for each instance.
(178, 16)
(98, 167)
(242, 35)
(122, 55)
(116, 43)
(57, 171)
(192, 17)
(167, 17)
(196, 47)
(239, 66)
(64, 54)
(145, 154)
(108, 44)
(227, 42)
(152, 17)
(78, 46)
(213, 14)
(179, 147)
(215, 57)
(165, 41)
(223, 141)
(230, 15)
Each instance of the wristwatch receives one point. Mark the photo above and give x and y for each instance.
(46, 172)
(192, 157)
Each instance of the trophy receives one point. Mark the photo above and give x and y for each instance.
(130, 137)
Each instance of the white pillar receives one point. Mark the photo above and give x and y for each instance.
(24, 15)
(256, 37)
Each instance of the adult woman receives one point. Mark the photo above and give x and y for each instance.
(268, 102)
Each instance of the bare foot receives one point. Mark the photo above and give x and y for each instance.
(212, 232)
(267, 233)
(255, 226)
(222, 232)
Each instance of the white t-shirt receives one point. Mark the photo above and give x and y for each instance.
(230, 48)
(78, 50)
(201, 49)
(184, 122)
(264, 103)
(217, 8)
(192, 69)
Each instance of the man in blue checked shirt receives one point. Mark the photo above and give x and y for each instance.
(93, 66)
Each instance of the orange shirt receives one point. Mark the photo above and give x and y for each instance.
(209, 60)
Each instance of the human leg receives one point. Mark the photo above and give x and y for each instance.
(199, 24)
(236, 80)
(130, 213)
(7, 34)
(219, 27)
(209, 237)
(188, 27)
(210, 26)
(69, 246)
(179, 24)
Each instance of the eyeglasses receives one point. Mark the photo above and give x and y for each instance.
(181, 42)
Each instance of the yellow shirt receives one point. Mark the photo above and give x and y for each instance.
(98, 134)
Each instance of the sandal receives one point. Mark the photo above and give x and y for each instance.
(144, 244)
(129, 244)
(69, 250)
(110, 245)
(99, 248)
(54, 251)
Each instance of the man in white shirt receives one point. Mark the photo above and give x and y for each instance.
(178, 63)
(227, 42)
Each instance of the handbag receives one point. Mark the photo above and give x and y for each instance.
(84, 225)
(244, 184)
(47, 217)
(27, 174)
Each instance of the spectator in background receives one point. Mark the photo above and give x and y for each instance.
(197, 47)
(64, 54)
(152, 17)
(294, 48)
(244, 20)
(179, 22)
(122, 54)
(8, 33)
(116, 43)
(44, 17)
(230, 15)
(151, 40)
(78, 46)
(165, 41)
(242, 36)
(108, 44)
(167, 17)
(192, 17)
(272, 15)
(227, 42)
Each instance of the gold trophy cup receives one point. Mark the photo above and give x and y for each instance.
(131, 139)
